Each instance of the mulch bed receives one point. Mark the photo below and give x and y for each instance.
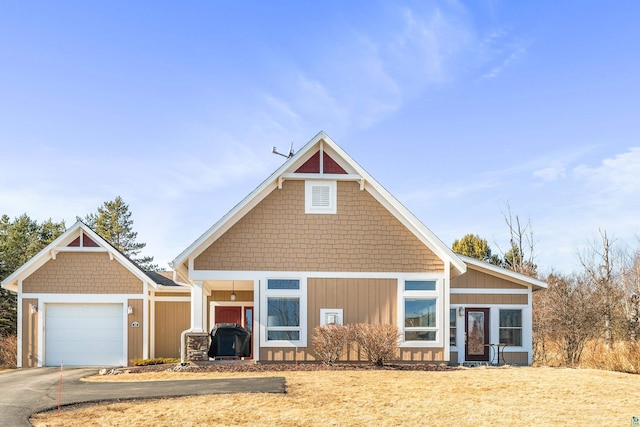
(279, 367)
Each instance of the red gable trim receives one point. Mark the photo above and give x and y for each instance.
(313, 165)
(330, 165)
(75, 243)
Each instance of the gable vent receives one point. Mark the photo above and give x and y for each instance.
(320, 196)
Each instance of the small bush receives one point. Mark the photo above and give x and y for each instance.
(8, 351)
(378, 341)
(329, 341)
(155, 361)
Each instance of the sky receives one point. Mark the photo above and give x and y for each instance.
(461, 110)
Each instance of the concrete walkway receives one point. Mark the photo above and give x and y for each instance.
(27, 391)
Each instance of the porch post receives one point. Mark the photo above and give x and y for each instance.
(197, 305)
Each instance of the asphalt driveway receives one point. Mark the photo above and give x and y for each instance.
(26, 391)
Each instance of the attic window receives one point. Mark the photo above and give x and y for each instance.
(320, 197)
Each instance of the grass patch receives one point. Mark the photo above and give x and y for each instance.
(478, 396)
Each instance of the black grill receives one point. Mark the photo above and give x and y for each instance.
(229, 340)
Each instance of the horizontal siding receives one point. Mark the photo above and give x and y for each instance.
(478, 280)
(489, 299)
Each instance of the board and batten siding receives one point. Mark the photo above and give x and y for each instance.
(29, 333)
(134, 334)
(277, 235)
(362, 301)
(171, 318)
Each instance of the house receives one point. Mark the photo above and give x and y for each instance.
(320, 241)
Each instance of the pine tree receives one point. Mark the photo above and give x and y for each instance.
(20, 240)
(113, 222)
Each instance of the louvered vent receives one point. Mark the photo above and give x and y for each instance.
(320, 196)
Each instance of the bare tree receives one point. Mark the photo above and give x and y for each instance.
(602, 265)
(521, 255)
(631, 286)
(565, 315)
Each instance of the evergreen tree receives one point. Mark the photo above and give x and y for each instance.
(474, 246)
(20, 240)
(113, 222)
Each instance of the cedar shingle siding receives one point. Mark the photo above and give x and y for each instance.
(82, 273)
(277, 235)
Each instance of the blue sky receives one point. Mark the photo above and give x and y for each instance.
(457, 108)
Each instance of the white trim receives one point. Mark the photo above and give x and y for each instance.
(59, 245)
(19, 331)
(315, 176)
(257, 275)
(437, 295)
(42, 310)
(352, 167)
(507, 274)
(331, 194)
(301, 294)
(88, 298)
(241, 304)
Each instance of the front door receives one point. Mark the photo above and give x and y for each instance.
(228, 314)
(477, 332)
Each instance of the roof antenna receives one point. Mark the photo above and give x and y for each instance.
(274, 150)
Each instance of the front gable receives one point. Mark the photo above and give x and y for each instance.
(277, 235)
(79, 261)
(272, 228)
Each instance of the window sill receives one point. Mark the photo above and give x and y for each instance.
(420, 344)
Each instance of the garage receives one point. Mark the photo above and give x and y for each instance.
(84, 335)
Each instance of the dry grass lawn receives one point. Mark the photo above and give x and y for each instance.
(477, 396)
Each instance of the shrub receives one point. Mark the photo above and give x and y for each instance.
(621, 356)
(329, 341)
(378, 341)
(155, 361)
(8, 351)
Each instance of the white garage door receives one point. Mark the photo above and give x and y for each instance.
(84, 334)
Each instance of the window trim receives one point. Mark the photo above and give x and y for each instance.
(308, 197)
(453, 329)
(520, 328)
(301, 295)
(437, 295)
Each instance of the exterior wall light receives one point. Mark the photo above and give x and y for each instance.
(34, 309)
(130, 309)
(460, 311)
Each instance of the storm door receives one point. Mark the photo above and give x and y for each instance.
(477, 334)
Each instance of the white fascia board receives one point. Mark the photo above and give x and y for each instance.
(11, 282)
(134, 269)
(512, 276)
(402, 213)
(45, 255)
(246, 204)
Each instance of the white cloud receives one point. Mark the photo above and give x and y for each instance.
(552, 173)
(618, 175)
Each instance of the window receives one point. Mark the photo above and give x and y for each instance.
(511, 327)
(419, 312)
(330, 316)
(420, 285)
(452, 327)
(284, 313)
(320, 197)
(419, 319)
